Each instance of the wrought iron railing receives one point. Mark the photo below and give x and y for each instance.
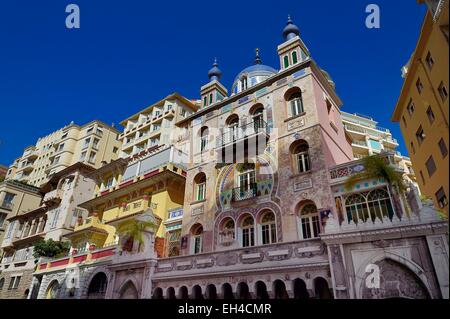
(241, 132)
(245, 192)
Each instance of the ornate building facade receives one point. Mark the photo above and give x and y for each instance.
(262, 208)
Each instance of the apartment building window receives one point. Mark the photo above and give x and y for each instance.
(411, 107)
(429, 60)
(8, 199)
(197, 239)
(204, 138)
(430, 115)
(64, 135)
(420, 135)
(2, 219)
(183, 112)
(56, 160)
(92, 156)
(200, 186)
(115, 150)
(443, 91)
(300, 151)
(14, 282)
(10, 229)
(422, 177)
(431, 166)
(268, 228)
(95, 143)
(90, 129)
(99, 130)
(413, 149)
(309, 222)
(441, 198)
(83, 156)
(296, 103)
(443, 148)
(248, 231)
(419, 85)
(61, 147)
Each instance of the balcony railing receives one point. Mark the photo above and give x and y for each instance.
(242, 193)
(359, 143)
(241, 132)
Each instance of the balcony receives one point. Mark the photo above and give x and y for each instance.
(6, 205)
(27, 167)
(243, 193)
(243, 132)
(358, 143)
(53, 198)
(355, 129)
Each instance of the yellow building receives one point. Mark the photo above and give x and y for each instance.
(128, 188)
(93, 143)
(422, 108)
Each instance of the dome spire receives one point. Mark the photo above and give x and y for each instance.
(290, 30)
(257, 58)
(214, 73)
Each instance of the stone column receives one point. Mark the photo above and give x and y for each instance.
(149, 270)
(338, 271)
(438, 246)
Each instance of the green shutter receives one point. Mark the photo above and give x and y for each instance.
(294, 57)
(204, 101)
(286, 61)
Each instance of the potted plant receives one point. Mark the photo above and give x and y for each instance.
(124, 203)
(92, 247)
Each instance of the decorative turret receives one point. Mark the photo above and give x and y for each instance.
(213, 91)
(214, 73)
(293, 50)
(290, 30)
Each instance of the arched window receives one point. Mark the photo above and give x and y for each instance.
(379, 204)
(247, 231)
(268, 228)
(129, 291)
(227, 234)
(97, 287)
(243, 83)
(197, 239)
(200, 186)
(204, 138)
(286, 61)
(356, 208)
(309, 221)
(294, 57)
(232, 132)
(246, 182)
(183, 293)
(301, 158)
(295, 102)
(170, 293)
(258, 117)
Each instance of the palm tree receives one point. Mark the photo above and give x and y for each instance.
(136, 228)
(376, 167)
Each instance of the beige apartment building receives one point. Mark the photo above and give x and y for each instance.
(93, 143)
(422, 108)
(368, 138)
(155, 124)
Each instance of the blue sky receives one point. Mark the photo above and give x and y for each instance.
(129, 54)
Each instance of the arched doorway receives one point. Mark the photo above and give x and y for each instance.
(129, 291)
(279, 289)
(321, 289)
(170, 294)
(157, 293)
(242, 291)
(396, 281)
(211, 292)
(97, 286)
(227, 291)
(53, 290)
(183, 293)
(197, 292)
(261, 290)
(300, 291)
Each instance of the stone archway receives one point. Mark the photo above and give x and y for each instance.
(129, 291)
(396, 281)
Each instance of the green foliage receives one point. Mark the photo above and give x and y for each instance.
(376, 167)
(136, 229)
(50, 248)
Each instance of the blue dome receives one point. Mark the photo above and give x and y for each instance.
(214, 73)
(290, 30)
(254, 74)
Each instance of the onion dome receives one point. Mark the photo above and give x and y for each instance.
(214, 73)
(290, 30)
